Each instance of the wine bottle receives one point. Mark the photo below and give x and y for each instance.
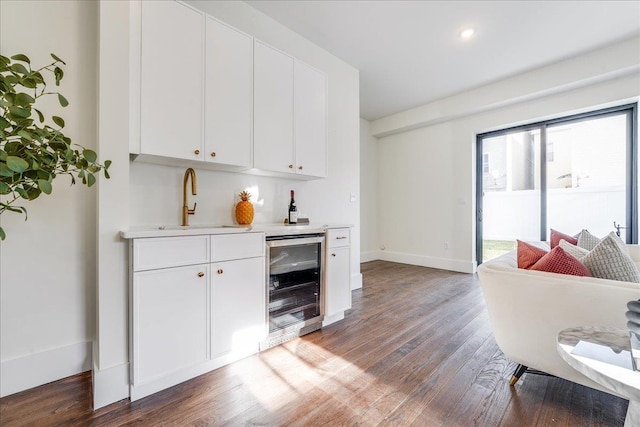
(293, 210)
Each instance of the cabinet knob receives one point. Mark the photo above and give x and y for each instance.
(220, 271)
(201, 274)
(333, 254)
(213, 154)
(300, 167)
(290, 166)
(196, 152)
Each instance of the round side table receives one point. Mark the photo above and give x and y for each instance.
(596, 352)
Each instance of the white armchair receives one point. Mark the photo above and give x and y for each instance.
(528, 308)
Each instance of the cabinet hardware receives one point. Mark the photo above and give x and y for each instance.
(333, 254)
(341, 237)
(196, 152)
(201, 274)
(300, 167)
(290, 166)
(220, 271)
(213, 154)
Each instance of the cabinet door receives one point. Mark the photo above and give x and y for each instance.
(238, 319)
(169, 320)
(310, 88)
(228, 96)
(171, 80)
(273, 110)
(337, 285)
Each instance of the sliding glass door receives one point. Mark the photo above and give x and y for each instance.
(570, 173)
(511, 190)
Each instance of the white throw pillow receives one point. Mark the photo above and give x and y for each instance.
(609, 260)
(574, 250)
(587, 240)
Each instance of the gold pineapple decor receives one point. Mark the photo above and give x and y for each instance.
(244, 209)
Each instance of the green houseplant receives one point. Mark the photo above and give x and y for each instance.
(33, 149)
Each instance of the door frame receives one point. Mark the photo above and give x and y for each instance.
(630, 110)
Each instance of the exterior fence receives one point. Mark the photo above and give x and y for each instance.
(510, 215)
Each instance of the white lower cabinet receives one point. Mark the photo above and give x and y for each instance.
(170, 320)
(338, 272)
(237, 308)
(190, 319)
(338, 297)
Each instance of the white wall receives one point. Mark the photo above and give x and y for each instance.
(47, 264)
(153, 193)
(369, 242)
(427, 155)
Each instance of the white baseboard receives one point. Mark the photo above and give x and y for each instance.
(427, 261)
(369, 256)
(333, 318)
(356, 281)
(36, 369)
(110, 385)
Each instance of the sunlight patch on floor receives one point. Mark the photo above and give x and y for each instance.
(299, 368)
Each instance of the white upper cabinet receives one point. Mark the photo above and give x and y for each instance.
(171, 80)
(273, 110)
(228, 95)
(212, 94)
(290, 115)
(310, 106)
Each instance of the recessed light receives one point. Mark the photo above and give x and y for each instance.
(467, 33)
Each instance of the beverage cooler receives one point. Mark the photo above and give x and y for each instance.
(295, 286)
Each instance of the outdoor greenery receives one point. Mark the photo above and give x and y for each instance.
(494, 248)
(33, 149)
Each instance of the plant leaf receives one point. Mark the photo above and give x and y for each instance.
(26, 135)
(4, 188)
(58, 120)
(29, 82)
(20, 112)
(58, 73)
(90, 155)
(17, 209)
(91, 179)
(17, 164)
(5, 171)
(23, 99)
(40, 115)
(45, 186)
(2, 234)
(19, 68)
(12, 80)
(21, 191)
(58, 59)
(63, 101)
(21, 57)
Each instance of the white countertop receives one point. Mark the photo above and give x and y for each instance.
(191, 230)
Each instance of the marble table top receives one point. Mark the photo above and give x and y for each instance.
(602, 354)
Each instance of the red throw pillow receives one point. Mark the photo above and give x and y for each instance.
(528, 254)
(559, 261)
(556, 236)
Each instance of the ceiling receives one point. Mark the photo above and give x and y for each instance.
(409, 52)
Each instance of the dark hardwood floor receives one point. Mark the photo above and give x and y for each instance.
(415, 350)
